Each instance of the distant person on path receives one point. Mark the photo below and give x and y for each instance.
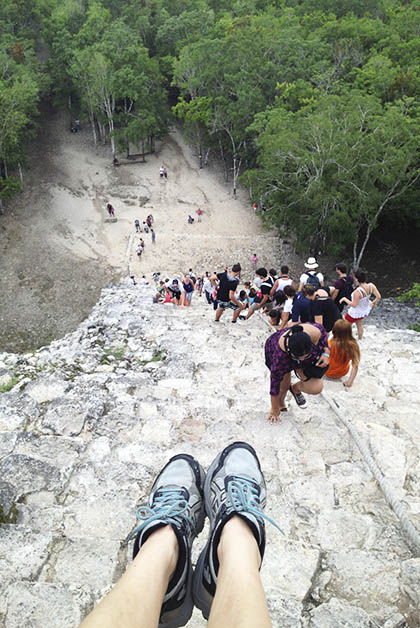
(254, 261)
(225, 297)
(148, 222)
(165, 173)
(188, 285)
(139, 251)
(111, 210)
(137, 226)
(311, 277)
(142, 244)
(343, 287)
(343, 350)
(360, 303)
(199, 214)
(190, 219)
(208, 289)
(255, 207)
(153, 236)
(161, 172)
(174, 287)
(302, 349)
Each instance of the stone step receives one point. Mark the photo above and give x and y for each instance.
(96, 415)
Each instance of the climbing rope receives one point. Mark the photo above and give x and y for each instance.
(412, 535)
(410, 531)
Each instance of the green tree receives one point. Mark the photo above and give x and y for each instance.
(328, 172)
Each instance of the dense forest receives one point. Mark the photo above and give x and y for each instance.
(313, 105)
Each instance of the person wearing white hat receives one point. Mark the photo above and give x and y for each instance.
(311, 277)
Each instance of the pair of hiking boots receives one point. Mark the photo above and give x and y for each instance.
(181, 496)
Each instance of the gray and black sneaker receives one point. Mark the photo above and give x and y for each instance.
(234, 485)
(176, 499)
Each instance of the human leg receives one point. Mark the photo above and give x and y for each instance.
(359, 326)
(220, 309)
(235, 496)
(312, 386)
(151, 570)
(243, 605)
(157, 585)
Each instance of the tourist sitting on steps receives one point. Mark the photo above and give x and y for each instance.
(302, 349)
(160, 586)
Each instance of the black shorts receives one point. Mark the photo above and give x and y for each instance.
(312, 371)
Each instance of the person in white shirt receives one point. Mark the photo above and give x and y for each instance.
(282, 281)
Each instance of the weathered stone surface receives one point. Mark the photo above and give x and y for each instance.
(23, 552)
(89, 560)
(338, 614)
(97, 414)
(43, 605)
(28, 474)
(44, 390)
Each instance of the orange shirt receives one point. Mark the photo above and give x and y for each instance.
(338, 367)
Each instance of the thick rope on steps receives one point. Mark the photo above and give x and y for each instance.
(411, 534)
(397, 506)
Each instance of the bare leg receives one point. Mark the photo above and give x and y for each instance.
(219, 313)
(136, 599)
(240, 600)
(359, 325)
(312, 387)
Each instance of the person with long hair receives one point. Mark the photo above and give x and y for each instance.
(360, 304)
(343, 350)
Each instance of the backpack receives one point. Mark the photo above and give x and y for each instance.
(346, 289)
(313, 281)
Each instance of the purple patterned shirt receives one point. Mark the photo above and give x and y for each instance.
(280, 363)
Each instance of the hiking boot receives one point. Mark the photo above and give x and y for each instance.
(234, 486)
(299, 398)
(176, 499)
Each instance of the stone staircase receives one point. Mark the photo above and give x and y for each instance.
(94, 416)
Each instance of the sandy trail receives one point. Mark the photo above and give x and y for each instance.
(58, 251)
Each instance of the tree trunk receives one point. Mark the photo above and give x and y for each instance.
(93, 127)
(142, 148)
(1, 207)
(20, 174)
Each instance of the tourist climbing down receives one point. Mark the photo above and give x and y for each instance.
(360, 303)
(343, 350)
(303, 349)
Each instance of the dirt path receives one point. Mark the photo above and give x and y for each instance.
(57, 251)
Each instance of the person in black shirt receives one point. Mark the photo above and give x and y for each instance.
(343, 287)
(324, 310)
(227, 283)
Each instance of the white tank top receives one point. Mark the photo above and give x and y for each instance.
(364, 306)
